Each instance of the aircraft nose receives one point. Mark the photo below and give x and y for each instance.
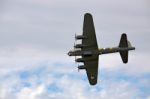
(69, 53)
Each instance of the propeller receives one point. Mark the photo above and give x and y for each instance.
(78, 68)
(75, 36)
(74, 49)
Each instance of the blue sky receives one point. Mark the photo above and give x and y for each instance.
(35, 36)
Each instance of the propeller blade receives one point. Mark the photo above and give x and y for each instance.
(75, 60)
(74, 43)
(78, 68)
(75, 36)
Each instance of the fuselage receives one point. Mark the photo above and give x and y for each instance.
(79, 52)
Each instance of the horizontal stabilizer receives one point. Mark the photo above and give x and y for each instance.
(124, 44)
(123, 41)
(124, 56)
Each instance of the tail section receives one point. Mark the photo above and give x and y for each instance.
(124, 44)
(123, 41)
(124, 56)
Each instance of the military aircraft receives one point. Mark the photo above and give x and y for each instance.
(89, 51)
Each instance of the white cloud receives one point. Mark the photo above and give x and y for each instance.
(5, 93)
(138, 64)
(68, 86)
(148, 97)
(24, 58)
(72, 89)
(31, 93)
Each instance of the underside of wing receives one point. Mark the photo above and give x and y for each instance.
(92, 69)
(90, 44)
(90, 40)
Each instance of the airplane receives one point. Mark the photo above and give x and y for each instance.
(89, 52)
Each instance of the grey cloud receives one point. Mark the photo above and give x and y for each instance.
(51, 25)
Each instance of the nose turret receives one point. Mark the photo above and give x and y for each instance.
(69, 53)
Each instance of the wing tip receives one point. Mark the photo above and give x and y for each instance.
(124, 34)
(93, 83)
(92, 80)
(88, 14)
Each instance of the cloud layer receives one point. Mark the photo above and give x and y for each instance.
(44, 77)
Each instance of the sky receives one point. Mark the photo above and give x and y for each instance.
(35, 36)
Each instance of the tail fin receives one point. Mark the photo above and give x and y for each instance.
(124, 44)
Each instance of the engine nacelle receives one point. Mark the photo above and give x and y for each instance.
(79, 37)
(81, 67)
(79, 46)
(80, 60)
(87, 53)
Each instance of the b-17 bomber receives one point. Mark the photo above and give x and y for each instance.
(89, 52)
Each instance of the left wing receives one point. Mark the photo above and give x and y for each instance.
(92, 69)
